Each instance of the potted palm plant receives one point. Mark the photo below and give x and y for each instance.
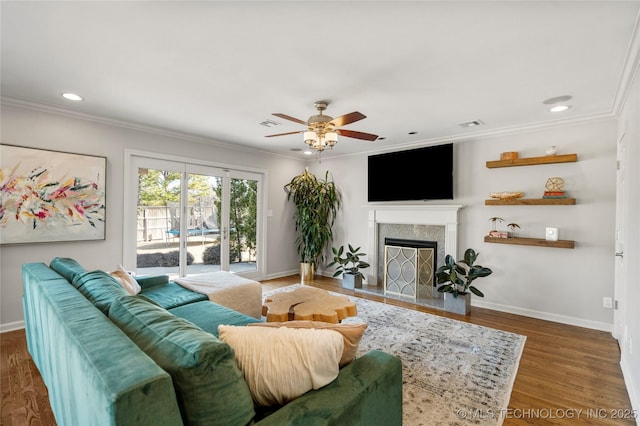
(316, 204)
(456, 278)
(349, 266)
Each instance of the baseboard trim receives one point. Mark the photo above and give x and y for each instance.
(632, 390)
(12, 326)
(563, 319)
(282, 274)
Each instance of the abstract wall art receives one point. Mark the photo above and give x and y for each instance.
(51, 196)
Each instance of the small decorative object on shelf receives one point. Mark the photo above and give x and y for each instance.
(551, 234)
(513, 227)
(552, 150)
(511, 155)
(506, 195)
(554, 188)
(498, 234)
(494, 221)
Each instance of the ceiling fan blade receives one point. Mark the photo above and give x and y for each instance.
(357, 135)
(343, 120)
(288, 117)
(284, 134)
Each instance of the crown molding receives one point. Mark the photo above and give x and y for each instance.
(630, 71)
(19, 103)
(486, 134)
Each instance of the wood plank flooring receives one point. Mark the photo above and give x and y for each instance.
(567, 375)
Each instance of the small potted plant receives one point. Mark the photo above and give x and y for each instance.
(456, 278)
(349, 266)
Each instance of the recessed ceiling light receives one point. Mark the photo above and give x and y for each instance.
(308, 153)
(269, 123)
(72, 96)
(559, 108)
(413, 133)
(557, 99)
(473, 123)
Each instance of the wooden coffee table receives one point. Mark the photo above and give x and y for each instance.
(308, 303)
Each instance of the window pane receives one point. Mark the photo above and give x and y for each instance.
(243, 225)
(203, 226)
(158, 222)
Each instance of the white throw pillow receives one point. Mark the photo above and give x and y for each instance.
(351, 333)
(127, 281)
(280, 364)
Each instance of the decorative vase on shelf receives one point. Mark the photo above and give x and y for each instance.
(552, 150)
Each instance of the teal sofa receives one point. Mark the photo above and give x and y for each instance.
(108, 358)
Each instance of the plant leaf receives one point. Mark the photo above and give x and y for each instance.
(476, 291)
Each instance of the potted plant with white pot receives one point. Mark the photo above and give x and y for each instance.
(349, 266)
(316, 204)
(456, 278)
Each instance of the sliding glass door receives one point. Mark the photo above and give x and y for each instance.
(193, 219)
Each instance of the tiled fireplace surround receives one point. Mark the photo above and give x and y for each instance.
(428, 222)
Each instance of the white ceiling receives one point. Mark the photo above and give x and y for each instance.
(217, 69)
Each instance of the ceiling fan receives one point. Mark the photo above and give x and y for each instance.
(323, 130)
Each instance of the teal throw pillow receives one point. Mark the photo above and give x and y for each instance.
(100, 288)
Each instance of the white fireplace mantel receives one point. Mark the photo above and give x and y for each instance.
(433, 214)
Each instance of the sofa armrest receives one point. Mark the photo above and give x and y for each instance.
(146, 281)
(366, 392)
(94, 373)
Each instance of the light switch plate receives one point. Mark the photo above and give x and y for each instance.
(551, 234)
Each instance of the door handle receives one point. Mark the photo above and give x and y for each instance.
(620, 254)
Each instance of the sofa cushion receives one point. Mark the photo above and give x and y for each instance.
(100, 288)
(170, 295)
(351, 333)
(208, 315)
(66, 267)
(126, 280)
(209, 386)
(280, 364)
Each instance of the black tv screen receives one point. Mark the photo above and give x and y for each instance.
(415, 174)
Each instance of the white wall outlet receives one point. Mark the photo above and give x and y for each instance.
(607, 302)
(551, 234)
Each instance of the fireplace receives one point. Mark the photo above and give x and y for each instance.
(437, 223)
(409, 267)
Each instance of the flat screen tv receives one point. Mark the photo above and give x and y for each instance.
(415, 174)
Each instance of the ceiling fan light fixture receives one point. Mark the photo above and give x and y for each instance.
(310, 138)
(331, 138)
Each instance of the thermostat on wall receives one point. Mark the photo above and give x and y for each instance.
(551, 234)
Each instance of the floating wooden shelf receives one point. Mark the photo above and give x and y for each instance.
(537, 242)
(531, 161)
(531, 202)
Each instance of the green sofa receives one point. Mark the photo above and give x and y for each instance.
(109, 358)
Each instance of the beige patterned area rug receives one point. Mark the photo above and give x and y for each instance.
(454, 373)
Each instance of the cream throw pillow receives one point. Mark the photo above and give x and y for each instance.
(127, 281)
(280, 364)
(352, 334)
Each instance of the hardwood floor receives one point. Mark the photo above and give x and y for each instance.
(567, 375)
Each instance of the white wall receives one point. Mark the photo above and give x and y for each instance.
(43, 129)
(630, 338)
(562, 285)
